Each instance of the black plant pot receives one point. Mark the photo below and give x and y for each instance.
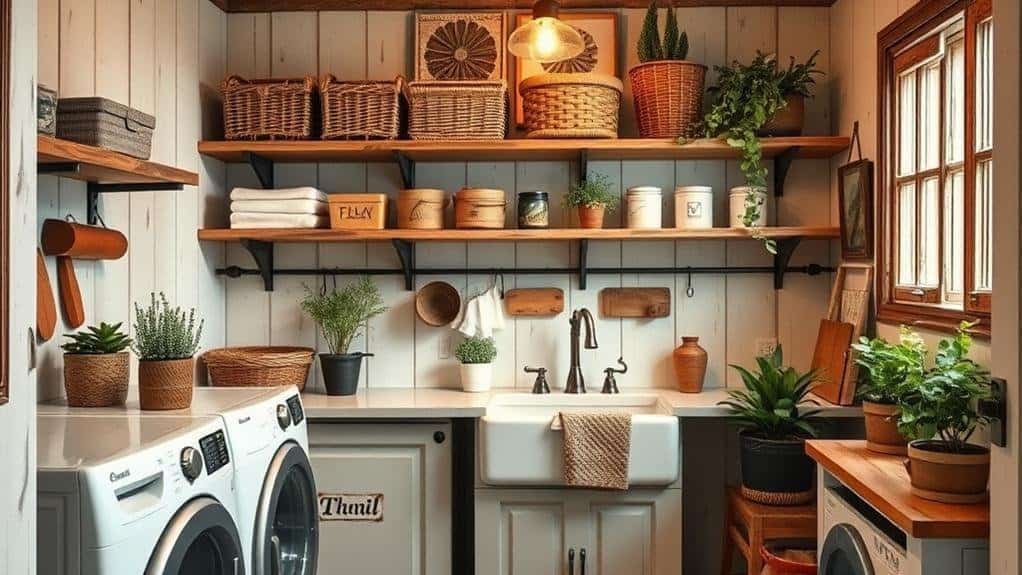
(340, 372)
(776, 472)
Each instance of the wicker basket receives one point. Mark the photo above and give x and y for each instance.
(96, 380)
(571, 105)
(107, 124)
(165, 384)
(457, 110)
(258, 366)
(360, 110)
(269, 109)
(668, 98)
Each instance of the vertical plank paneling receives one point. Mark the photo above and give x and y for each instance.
(389, 45)
(77, 48)
(188, 130)
(294, 39)
(248, 45)
(342, 44)
(165, 230)
(48, 51)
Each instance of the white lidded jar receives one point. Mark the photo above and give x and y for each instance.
(693, 207)
(643, 208)
(738, 199)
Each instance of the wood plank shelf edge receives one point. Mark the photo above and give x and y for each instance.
(99, 166)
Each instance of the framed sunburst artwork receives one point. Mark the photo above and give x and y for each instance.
(459, 46)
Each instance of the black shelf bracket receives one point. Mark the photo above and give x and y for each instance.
(782, 163)
(59, 168)
(406, 254)
(407, 167)
(94, 189)
(262, 253)
(583, 166)
(785, 249)
(263, 168)
(583, 263)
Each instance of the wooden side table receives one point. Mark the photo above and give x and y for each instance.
(748, 525)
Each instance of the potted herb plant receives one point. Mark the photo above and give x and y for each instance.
(96, 366)
(593, 198)
(796, 84)
(888, 371)
(476, 355)
(940, 416)
(165, 342)
(773, 412)
(341, 314)
(667, 89)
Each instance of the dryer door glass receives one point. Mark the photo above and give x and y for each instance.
(287, 528)
(201, 538)
(844, 553)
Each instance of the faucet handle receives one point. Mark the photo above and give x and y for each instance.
(541, 385)
(609, 383)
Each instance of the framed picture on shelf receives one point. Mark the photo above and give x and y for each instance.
(855, 195)
(598, 29)
(459, 46)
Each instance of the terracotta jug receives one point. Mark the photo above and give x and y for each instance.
(690, 365)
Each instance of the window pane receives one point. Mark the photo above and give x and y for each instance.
(984, 279)
(954, 236)
(984, 85)
(907, 234)
(929, 117)
(907, 119)
(929, 233)
(955, 119)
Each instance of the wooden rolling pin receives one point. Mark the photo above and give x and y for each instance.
(61, 238)
(46, 309)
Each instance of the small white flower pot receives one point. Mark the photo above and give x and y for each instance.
(476, 377)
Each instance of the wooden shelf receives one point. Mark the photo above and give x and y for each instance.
(95, 165)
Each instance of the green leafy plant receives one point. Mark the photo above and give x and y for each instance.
(101, 339)
(946, 401)
(163, 333)
(476, 350)
(674, 45)
(889, 370)
(773, 404)
(593, 192)
(798, 78)
(343, 312)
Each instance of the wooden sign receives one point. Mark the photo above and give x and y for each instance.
(635, 302)
(534, 301)
(358, 211)
(351, 507)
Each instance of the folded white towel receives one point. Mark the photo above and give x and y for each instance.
(247, 220)
(280, 207)
(300, 193)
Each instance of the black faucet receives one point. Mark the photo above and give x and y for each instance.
(576, 382)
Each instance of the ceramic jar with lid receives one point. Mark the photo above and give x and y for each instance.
(737, 201)
(643, 207)
(693, 207)
(533, 210)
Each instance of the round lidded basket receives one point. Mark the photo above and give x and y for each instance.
(258, 366)
(421, 209)
(479, 208)
(571, 105)
(668, 97)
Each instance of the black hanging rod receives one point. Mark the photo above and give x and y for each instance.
(237, 271)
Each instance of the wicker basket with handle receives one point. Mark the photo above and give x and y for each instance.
(360, 110)
(258, 366)
(668, 98)
(268, 108)
(571, 105)
(457, 110)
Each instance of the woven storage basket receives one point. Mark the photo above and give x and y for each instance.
(258, 366)
(165, 384)
(269, 109)
(105, 124)
(457, 110)
(360, 110)
(668, 98)
(571, 105)
(96, 380)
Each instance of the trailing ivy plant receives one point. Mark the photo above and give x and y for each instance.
(163, 332)
(95, 340)
(674, 45)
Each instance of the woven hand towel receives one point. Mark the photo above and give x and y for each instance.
(246, 220)
(280, 207)
(300, 193)
(596, 446)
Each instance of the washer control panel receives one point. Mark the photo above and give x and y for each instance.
(294, 405)
(214, 451)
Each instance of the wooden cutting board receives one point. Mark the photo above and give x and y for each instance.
(831, 357)
(635, 302)
(46, 309)
(70, 293)
(534, 301)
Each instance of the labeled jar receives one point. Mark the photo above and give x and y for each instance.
(533, 210)
(747, 196)
(643, 207)
(693, 207)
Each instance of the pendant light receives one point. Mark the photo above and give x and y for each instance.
(546, 39)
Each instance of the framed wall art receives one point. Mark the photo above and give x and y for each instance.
(855, 197)
(459, 46)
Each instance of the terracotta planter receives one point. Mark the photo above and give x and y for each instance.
(787, 121)
(690, 365)
(882, 429)
(96, 380)
(166, 384)
(940, 475)
(591, 218)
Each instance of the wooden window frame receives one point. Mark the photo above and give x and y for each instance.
(5, 133)
(975, 301)
(901, 45)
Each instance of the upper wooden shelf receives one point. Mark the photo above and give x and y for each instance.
(90, 164)
(315, 5)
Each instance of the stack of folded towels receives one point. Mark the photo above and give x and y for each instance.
(304, 207)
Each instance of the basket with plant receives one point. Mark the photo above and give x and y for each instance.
(166, 340)
(476, 355)
(96, 366)
(592, 198)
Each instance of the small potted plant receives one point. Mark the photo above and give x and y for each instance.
(888, 371)
(96, 366)
(773, 412)
(796, 84)
(476, 355)
(165, 342)
(593, 199)
(341, 314)
(940, 416)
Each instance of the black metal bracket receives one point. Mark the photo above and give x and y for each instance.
(785, 249)
(406, 254)
(59, 169)
(583, 261)
(262, 253)
(263, 168)
(996, 408)
(407, 167)
(583, 165)
(94, 189)
(782, 163)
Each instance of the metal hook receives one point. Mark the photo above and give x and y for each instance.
(70, 218)
(690, 292)
(493, 282)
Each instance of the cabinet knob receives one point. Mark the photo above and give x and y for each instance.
(582, 561)
(571, 561)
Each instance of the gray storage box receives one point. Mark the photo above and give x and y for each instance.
(106, 124)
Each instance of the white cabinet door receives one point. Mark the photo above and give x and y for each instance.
(384, 497)
(638, 532)
(523, 531)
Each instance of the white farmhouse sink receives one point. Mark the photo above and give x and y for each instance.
(518, 447)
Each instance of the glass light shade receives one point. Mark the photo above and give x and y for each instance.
(546, 40)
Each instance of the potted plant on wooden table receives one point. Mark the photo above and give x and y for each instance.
(96, 366)
(341, 314)
(476, 355)
(775, 416)
(165, 342)
(593, 199)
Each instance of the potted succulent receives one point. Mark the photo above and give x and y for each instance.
(476, 355)
(888, 371)
(940, 416)
(773, 412)
(667, 88)
(341, 314)
(96, 366)
(593, 198)
(165, 342)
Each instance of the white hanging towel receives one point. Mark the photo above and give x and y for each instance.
(246, 220)
(471, 323)
(280, 207)
(299, 193)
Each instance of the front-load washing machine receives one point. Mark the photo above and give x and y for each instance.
(136, 496)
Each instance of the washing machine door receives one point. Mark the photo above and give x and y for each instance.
(200, 538)
(844, 552)
(287, 519)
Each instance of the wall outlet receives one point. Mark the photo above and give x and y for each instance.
(444, 351)
(765, 346)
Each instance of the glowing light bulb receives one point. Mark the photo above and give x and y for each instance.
(546, 41)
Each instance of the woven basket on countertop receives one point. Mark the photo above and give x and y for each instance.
(274, 109)
(457, 110)
(571, 105)
(96, 380)
(258, 366)
(360, 110)
(668, 98)
(106, 124)
(166, 384)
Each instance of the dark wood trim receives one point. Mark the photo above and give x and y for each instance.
(5, 152)
(975, 301)
(314, 5)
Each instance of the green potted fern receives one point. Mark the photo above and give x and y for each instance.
(667, 88)
(96, 366)
(166, 340)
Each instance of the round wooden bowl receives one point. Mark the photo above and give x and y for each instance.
(437, 303)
